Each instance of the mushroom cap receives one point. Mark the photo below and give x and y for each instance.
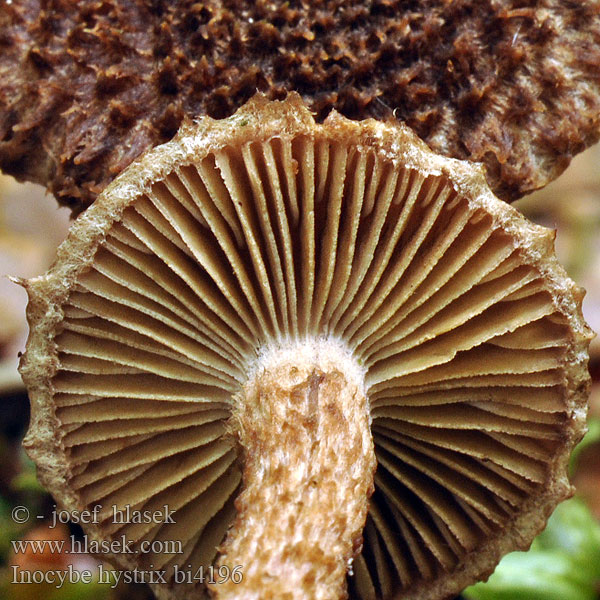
(86, 88)
(267, 227)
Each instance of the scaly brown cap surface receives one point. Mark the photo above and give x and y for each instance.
(266, 230)
(85, 87)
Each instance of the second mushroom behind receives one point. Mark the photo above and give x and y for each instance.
(337, 357)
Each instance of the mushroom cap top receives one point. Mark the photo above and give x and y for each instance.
(86, 88)
(266, 228)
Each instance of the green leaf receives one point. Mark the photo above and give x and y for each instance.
(591, 437)
(7, 528)
(537, 575)
(82, 591)
(563, 563)
(573, 530)
(26, 480)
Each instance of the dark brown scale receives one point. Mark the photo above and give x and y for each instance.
(87, 87)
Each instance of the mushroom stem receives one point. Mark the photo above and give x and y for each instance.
(303, 422)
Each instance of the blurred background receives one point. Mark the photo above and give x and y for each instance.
(564, 562)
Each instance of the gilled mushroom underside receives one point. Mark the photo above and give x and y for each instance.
(353, 251)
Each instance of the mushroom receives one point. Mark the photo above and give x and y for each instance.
(86, 87)
(329, 351)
